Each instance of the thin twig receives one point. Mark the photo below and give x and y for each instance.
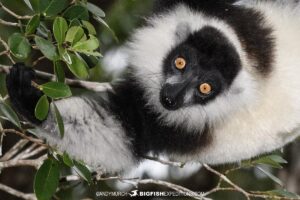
(36, 163)
(236, 188)
(26, 151)
(38, 60)
(265, 196)
(116, 178)
(17, 193)
(93, 86)
(1, 138)
(13, 13)
(3, 53)
(7, 50)
(37, 141)
(34, 152)
(9, 23)
(218, 189)
(14, 150)
(165, 162)
(224, 178)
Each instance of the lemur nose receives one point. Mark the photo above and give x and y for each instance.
(171, 96)
(169, 103)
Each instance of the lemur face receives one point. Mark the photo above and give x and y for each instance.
(198, 70)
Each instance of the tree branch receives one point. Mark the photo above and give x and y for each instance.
(9, 23)
(7, 50)
(36, 163)
(34, 152)
(1, 138)
(14, 14)
(233, 188)
(14, 150)
(34, 140)
(165, 162)
(93, 86)
(223, 177)
(17, 193)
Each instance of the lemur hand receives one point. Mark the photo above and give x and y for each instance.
(23, 95)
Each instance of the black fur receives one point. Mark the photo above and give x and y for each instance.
(23, 95)
(255, 36)
(143, 125)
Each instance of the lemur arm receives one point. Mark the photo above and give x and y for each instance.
(92, 133)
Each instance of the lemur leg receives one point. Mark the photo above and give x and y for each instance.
(23, 96)
(92, 133)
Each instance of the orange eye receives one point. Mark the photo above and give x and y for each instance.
(180, 63)
(205, 88)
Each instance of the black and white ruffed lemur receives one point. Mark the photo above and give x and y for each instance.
(209, 81)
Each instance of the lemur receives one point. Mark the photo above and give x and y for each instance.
(209, 81)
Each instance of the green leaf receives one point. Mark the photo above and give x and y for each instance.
(60, 27)
(90, 27)
(274, 161)
(75, 22)
(43, 30)
(19, 46)
(74, 34)
(84, 38)
(82, 171)
(67, 160)
(101, 21)
(39, 5)
(271, 176)
(42, 108)
(90, 60)
(27, 2)
(7, 112)
(55, 7)
(278, 159)
(88, 45)
(66, 57)
(56, 90)
(283, 193)
(46, 180)
(78, 67)
(97, 54)
(34, 131)
(95, 10)
(59, 71)
(77, 12)
(47, 48)
(32, 25)
(59, 121)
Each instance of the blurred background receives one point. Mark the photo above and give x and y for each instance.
(123, 16)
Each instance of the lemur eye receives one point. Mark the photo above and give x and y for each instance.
(180, 63)
(205, 88)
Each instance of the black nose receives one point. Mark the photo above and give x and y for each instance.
(169, 103)
(172, 96)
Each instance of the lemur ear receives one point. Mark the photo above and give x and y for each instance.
(183, 30)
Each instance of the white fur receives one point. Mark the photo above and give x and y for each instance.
(256, 115)
(99, 143)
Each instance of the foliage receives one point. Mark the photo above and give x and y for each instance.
(58, 31)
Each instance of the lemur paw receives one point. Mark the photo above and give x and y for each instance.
(23, 95)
